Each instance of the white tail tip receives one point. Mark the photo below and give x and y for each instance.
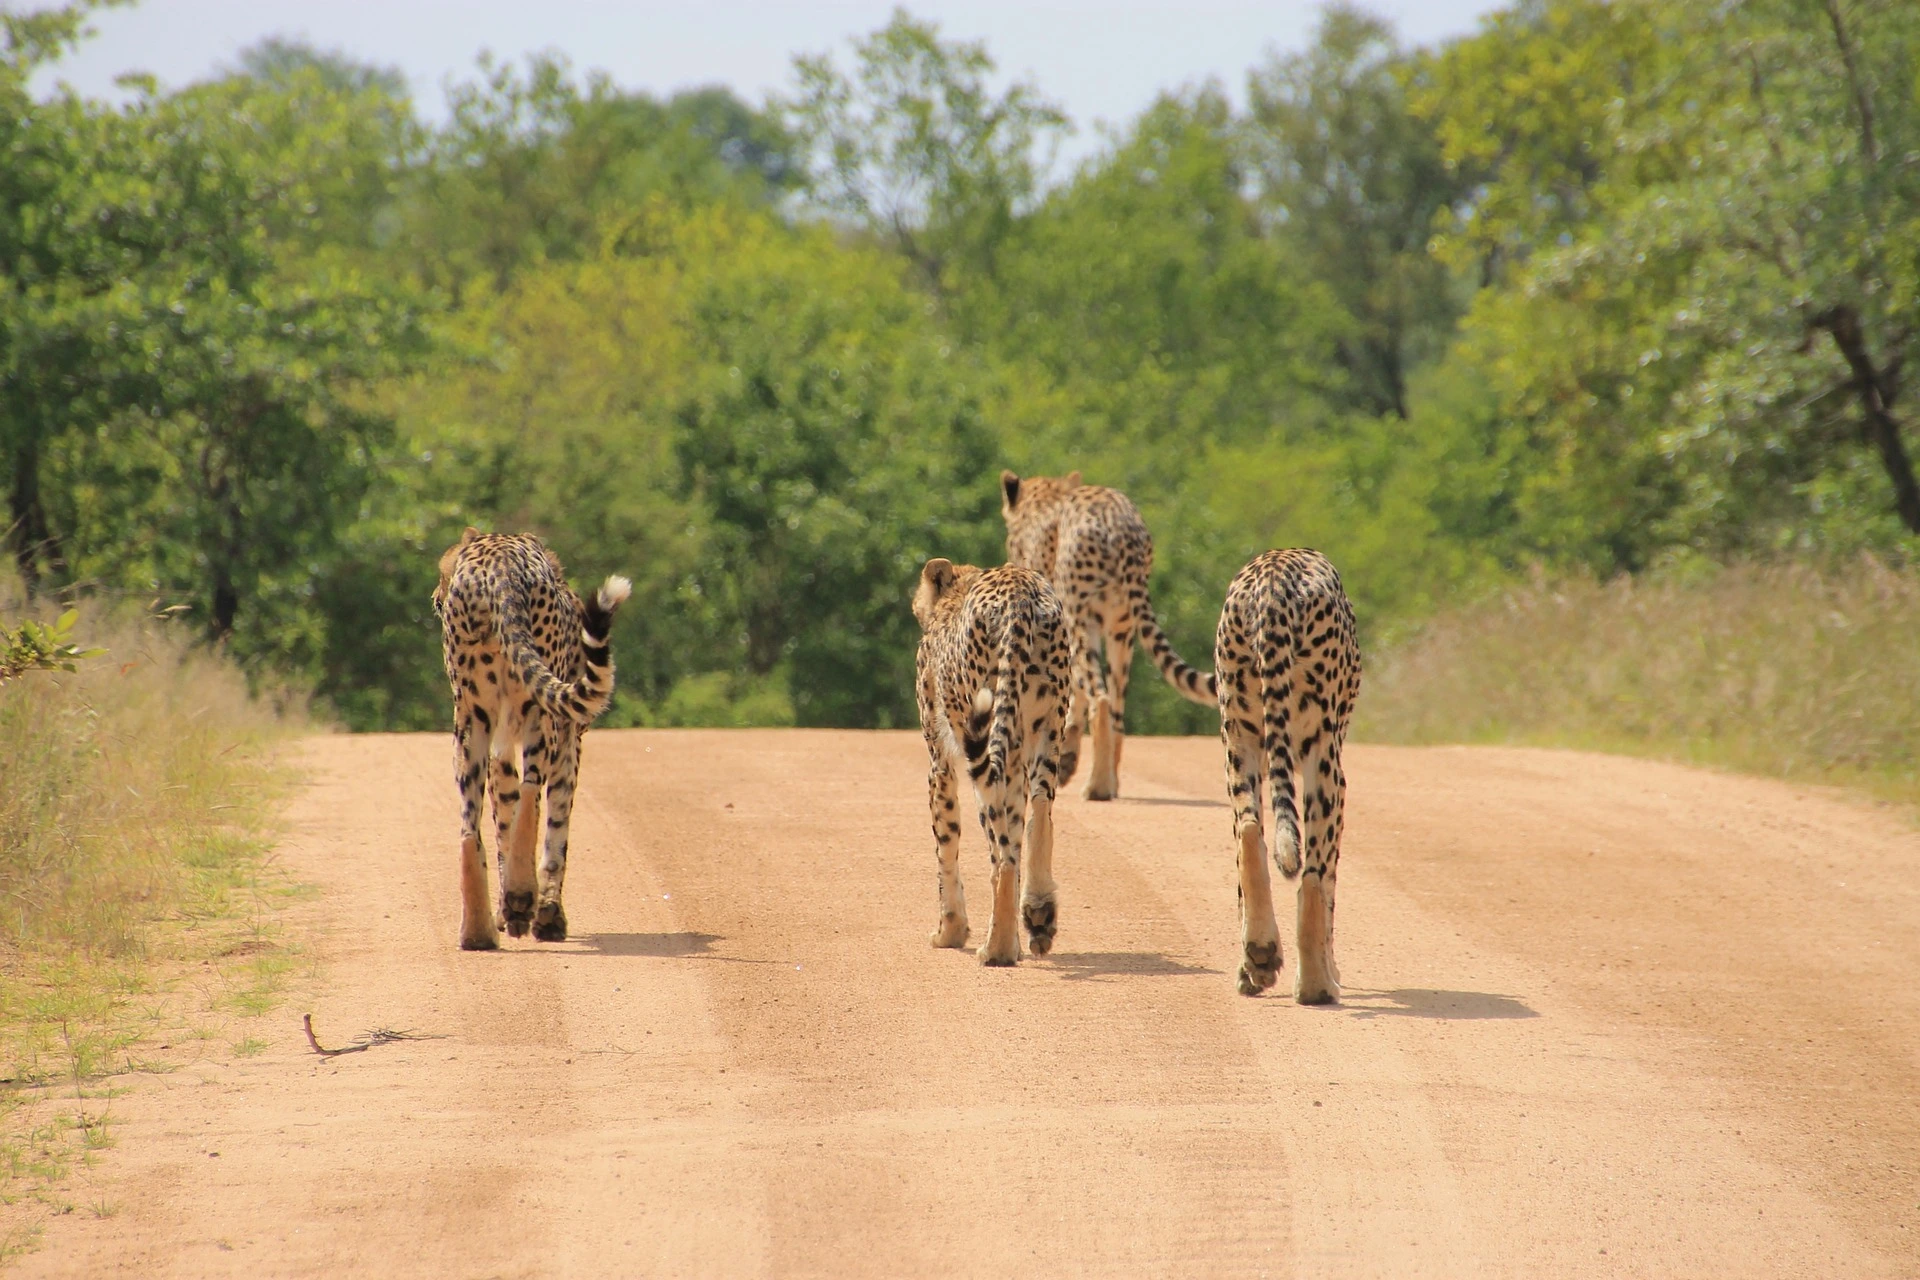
(614, 591)
(982, 700)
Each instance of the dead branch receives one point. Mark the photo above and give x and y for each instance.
(361, 1043)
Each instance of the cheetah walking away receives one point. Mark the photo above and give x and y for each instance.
(1289, 671)
(531, 669)
(992, 677)
(1094, 548)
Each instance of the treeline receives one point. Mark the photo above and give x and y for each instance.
(1607, 286)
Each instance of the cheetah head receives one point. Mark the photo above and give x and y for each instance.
(447, 563)
(1031, 509)
(939, 580)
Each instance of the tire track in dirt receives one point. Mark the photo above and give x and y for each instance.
(1603, 1017)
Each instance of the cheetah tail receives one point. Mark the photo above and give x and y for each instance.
(594, 689)
(1191, 683)
(1283, 782)
(994, 719)
(973, 742)
(580, 700)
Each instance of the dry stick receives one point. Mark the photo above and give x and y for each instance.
(372, 1038)
(306, 1021)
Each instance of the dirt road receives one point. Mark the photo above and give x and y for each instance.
(1603, 1018)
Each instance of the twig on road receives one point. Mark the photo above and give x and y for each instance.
(364, 1042)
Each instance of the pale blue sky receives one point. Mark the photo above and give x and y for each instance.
(1102, 61)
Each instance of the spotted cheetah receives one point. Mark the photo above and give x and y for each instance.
(530, 669)
(992, 677)
(1288, 667)
(1094, 548)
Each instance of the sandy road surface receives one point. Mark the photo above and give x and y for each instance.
(1603, 1018)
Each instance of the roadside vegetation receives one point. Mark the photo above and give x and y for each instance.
(138, 900)
(1791, 669)
(1603, 285)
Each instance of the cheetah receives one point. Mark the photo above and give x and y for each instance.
(1094, 548)
(1288, 668)
(531, 669)
(992, 679)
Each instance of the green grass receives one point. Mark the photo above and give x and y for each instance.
(1787, 670)
(139, 906)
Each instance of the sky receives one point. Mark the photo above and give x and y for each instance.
(1101, 61)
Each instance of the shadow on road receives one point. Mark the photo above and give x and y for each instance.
(1179, 801)
(1092, 966)
(667, 945)
(1408, 1003)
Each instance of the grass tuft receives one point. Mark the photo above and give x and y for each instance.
(1788, 670)
(137, 895)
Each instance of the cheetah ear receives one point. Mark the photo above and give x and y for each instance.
(1010, 488)
(937, 576)
(1073, 479)
(469, 535)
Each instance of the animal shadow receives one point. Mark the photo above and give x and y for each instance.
(663, 945)
(1179, 801)
(1100, 966)
(1427, 1003)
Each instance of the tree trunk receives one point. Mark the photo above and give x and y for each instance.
(1874, 388)
(29, 536)
(226, 603)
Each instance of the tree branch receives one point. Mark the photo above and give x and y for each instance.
(1862, 103)
(1883, 429)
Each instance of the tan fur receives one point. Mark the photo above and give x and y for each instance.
(530, 669)
(1094, 548)
(1288, 670)
(991, 681)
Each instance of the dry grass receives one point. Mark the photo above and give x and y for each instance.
(137, 899)
(1786, 670)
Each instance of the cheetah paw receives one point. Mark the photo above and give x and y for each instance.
(550, 923)
(1041, 920)
(1261, 967)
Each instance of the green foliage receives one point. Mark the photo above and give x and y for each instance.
(535, 167)
(1352, 181)
(1146, 296)
(234, 338)
(282, 62)
(916, 148)
(1706, 224)
(41, 646)
(771, 489)
(1606, 286)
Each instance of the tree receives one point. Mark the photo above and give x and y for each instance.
(536, 167)
(916, 148)
(835, 443)
(1706, 342)
(1147, 309)
(1353, 181)
(43, 166)
(224, 445)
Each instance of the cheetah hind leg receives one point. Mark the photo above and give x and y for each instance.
(1004, 829)
(1002, 946)
(517, 875)
(477, 928)
(1317, 981)
(1259, 927)
(517, 807)
(1069, 762)
(1103, 780)
(1039, 906)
